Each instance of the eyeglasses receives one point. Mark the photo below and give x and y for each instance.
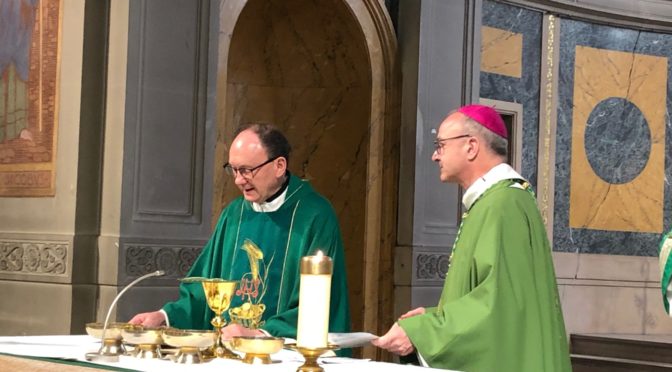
(246, 173)
(438, 143)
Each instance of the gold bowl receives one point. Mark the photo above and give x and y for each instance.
(257, 348)
(139, 335)
(113, 330)
(248, 315)
(189, 338)
(258, 345)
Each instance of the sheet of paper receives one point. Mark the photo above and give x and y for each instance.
(348, 340)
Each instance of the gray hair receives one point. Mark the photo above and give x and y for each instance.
(499, 145)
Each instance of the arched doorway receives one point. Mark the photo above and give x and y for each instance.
(318, 70)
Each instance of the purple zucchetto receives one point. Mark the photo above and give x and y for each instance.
(487, 117)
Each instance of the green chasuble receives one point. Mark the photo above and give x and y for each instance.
(499, 309)
(665, 260)
(303, 224)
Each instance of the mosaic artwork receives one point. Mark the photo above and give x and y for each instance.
(29, 57)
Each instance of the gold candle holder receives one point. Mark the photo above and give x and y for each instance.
(311, 355)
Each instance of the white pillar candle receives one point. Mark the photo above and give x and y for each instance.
(314, 299)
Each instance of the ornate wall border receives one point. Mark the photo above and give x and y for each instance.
(36, 257)
(548, 114)
(143, 258)
(430, 267)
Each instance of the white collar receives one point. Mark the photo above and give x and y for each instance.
(498, 173)
(271, 206)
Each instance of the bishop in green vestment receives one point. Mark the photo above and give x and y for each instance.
(259, 240)
(499, 309)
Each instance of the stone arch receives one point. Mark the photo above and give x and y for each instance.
(324, 72)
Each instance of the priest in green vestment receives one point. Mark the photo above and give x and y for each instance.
(665, 260)
(499, 309)
(259, 241)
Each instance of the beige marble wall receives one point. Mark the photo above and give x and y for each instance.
(108, 241)
(611, 294)
(304, 67)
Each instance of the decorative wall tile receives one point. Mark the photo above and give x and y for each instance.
(174, 260)
(49, 258)
(431, 266)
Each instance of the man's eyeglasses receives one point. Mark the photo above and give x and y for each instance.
(246, 173)
(438, 143)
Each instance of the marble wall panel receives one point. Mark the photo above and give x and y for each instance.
(611, 193)
(304, 67)
(656, 320)
(523, 90)
(603, 309)
(501, 52)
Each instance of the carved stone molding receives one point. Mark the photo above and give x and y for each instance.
(33, 257)
(431, 266)
(174, 260)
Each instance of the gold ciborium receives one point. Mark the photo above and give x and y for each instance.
(218, 293)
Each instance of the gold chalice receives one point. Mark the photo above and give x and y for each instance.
(218, 293)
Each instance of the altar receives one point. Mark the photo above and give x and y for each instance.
(72, 350)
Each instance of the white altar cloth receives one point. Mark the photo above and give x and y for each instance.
(75, 347)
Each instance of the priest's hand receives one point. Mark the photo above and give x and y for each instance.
(414, 312)
(395, 341)
(152, 319)
(233, 330)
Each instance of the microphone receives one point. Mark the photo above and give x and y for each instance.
(100, 354)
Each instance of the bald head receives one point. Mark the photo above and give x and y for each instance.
(258, 170)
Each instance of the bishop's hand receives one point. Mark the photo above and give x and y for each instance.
(395, 341)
